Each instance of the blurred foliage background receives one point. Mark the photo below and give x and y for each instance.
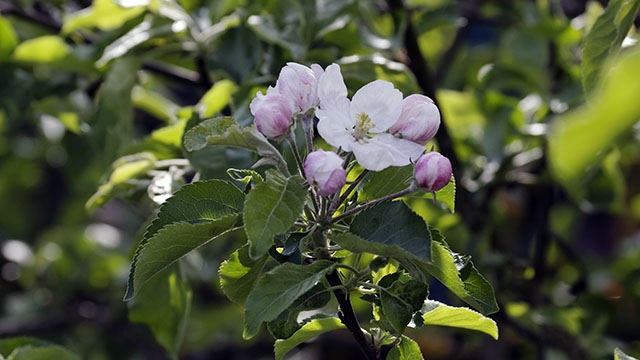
(96, 96)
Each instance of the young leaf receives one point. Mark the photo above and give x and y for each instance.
(619, 355)
(102, 14)
(315, 327)
(437, 313)
(8, 38)
(245, 176)
(199, 201)
(406, 350)
(271, 208)
(278, 289)
(216, 98)
(164, 306)
(44, 49)
(44, 352)
(605, 38)
(224, 131)
(170, 244)
(239, 273)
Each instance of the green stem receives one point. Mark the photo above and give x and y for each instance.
(336, 204)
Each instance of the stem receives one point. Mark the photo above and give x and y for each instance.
(356, 210)
(307, 126)
(336, 204)
(294, 147)
(172, 162)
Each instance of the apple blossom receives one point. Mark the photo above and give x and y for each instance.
(433, 171)
(272, 114)
(419, 119)
(324, 170)
(360, 125)
(298, 83)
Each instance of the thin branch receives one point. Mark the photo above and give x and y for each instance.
(336, 204)
(356, 210)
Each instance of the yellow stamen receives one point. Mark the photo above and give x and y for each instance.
(363, 125)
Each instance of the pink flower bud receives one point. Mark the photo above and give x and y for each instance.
(433, 171)
(419, 119)
(272, 114)
(324, 170)
(299, 83)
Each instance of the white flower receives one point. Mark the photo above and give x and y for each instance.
(272, 114)
(324, 170)
(360, 125)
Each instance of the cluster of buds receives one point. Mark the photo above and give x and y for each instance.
(377, 125)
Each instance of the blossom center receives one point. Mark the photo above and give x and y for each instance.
(363, 125)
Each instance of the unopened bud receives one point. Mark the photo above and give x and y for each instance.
(272, 114)
(299, 83)
(419, 119)
(433, 171)
(324, 170)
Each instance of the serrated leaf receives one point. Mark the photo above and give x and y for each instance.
(401, 299)
(605, 38)
(456, 272)
(287, 322)
(199, 201)
(619, 355)
(406, 350)
(314, 328)
(224, 131)
(392, 226)
(170, 244)
(459, 275)
(164, 307)
(437, 313)
(396, 311)
(278, 289)
(239, 273)
(245, 176)
(271, 208)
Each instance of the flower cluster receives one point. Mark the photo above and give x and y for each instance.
(377, 125)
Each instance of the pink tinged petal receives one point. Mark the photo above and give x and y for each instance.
(298, 84)
(419, 120)
(272, 114)
(331, 88)
(317, 71)
(324, 170)
(381, 101)
(384, 150)
(433, 171)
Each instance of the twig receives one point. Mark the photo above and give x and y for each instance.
(356, 210)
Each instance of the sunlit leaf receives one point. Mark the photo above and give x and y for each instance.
(239, 273)
(437, 313)
(619, 355)
(214, 100)
(8, 38)
(102, 14)
(44, 49)
(314, 328)
(406, 350)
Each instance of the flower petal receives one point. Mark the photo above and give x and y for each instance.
(331, 87)
(381, 101)
(384, 150)
(335, 126)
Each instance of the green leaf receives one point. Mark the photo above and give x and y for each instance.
(239, 273)
(446, 195)
(197, 202)
(400, 299)
(406, 350)
(155, 104)
(314, 328)
(112, 126)
(278, 289)
(44, 49)
(393, 229)
(245, 176)
(605, 38)
(456, 272)
(214, 100)
(619, 355)
(45, 352)
(271, 208)
(9, 344)
(102, 14)
(437, 313)
(286, 324)
(8, 39)
(582, 137)
(459, 275)
(224, 131)
(164, 307)
(170, 244)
